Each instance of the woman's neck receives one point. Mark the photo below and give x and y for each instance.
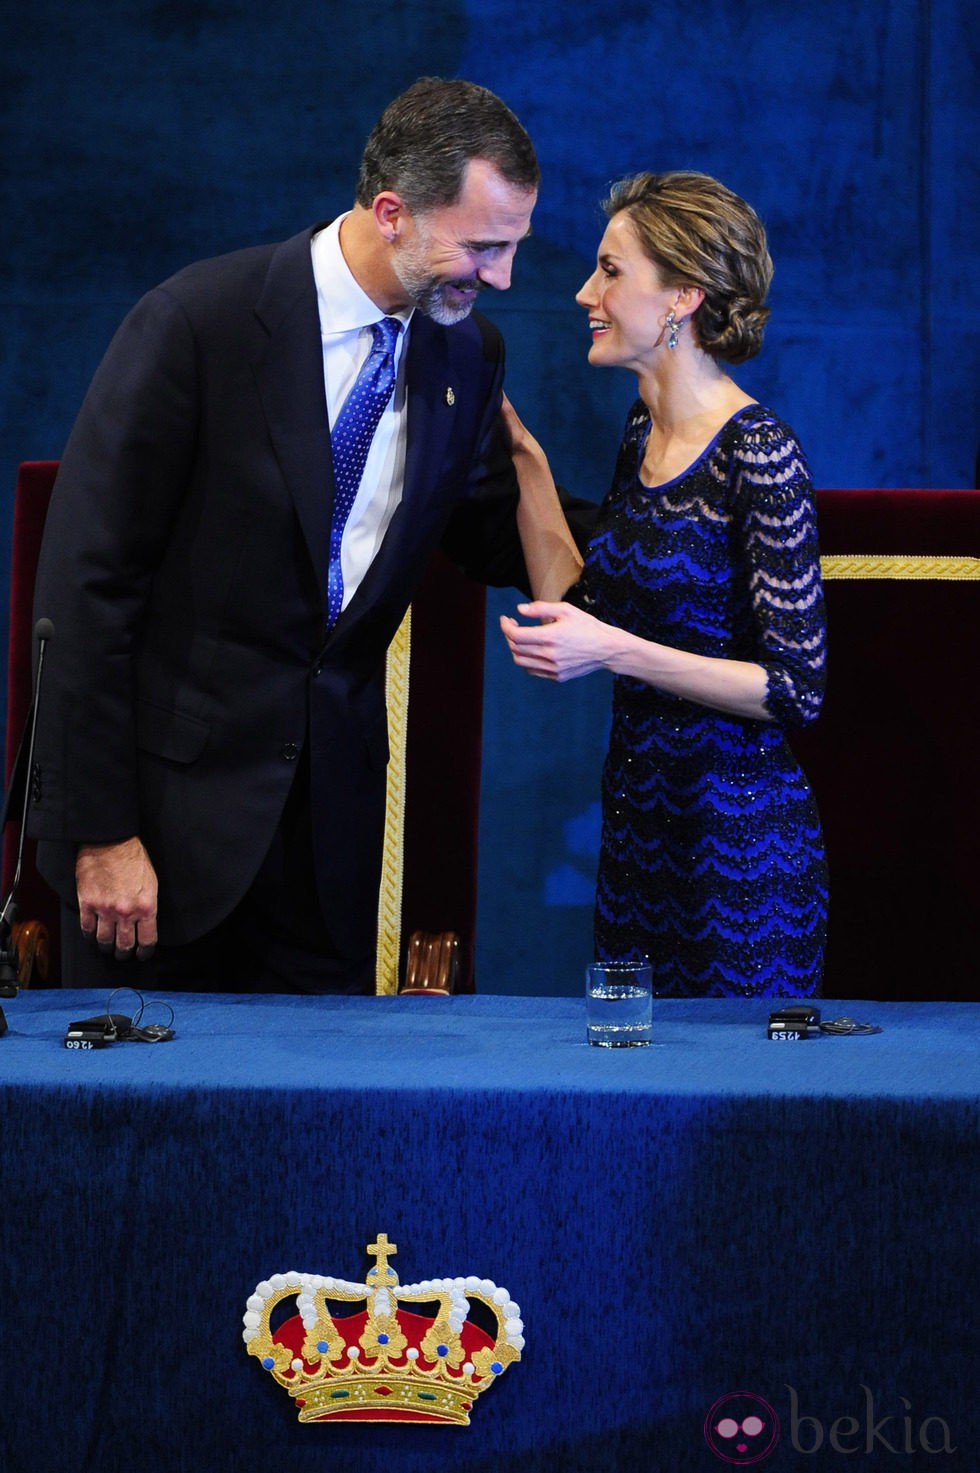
(689, 401)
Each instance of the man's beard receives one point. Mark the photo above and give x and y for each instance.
(428, 293)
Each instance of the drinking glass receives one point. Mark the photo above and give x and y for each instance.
(619, 1003)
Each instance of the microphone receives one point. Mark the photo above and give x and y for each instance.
(9, 959)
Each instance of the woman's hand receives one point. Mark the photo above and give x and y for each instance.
(518, 436)
(566, 643)
(569, 643)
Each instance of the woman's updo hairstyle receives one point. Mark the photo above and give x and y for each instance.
(698, 233)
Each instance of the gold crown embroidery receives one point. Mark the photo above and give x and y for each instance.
(381, 1351)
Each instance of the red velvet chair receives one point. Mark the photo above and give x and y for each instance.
(429, 890)
(893, 758)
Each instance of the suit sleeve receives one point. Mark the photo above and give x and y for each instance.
(121, 478)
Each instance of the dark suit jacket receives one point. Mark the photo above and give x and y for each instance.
(184, 569)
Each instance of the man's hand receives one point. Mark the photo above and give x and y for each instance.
(117, 897)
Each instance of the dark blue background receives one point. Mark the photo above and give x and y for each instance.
(139, 136)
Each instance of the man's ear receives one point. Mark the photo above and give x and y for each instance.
(390, 214)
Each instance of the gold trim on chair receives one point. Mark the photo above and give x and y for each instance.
(393, 855)
(898, 565)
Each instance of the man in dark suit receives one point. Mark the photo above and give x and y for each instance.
(212, 743)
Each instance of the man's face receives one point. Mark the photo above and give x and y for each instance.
(448, 254)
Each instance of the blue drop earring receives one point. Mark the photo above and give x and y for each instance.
(673, 327)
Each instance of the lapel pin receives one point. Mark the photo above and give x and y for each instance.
(450, 397)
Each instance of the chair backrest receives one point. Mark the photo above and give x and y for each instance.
(442, 750)
(893, 756)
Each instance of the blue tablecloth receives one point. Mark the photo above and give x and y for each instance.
(712, 1214)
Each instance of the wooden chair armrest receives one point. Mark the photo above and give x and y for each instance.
(431, 963)
(31, 941)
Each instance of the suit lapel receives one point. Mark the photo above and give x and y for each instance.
(289, 375)
(430, 407)
(430, 397)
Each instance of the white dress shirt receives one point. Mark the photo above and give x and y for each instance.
(346, 316)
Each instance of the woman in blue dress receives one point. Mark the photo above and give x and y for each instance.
(701, 592)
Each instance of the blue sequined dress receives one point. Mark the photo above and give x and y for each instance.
(712, 859)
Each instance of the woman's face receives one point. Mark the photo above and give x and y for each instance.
(626, 301)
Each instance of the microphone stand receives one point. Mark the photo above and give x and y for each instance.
(9, 958)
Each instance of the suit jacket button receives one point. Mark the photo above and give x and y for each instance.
(290, 751)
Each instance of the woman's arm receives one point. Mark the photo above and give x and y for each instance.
(776, 529)
(776, 526)
(552, 558)
(569, 643)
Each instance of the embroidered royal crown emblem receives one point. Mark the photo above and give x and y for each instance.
(383, 1351)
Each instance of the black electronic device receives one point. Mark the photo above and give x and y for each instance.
(110, 1027)
(795, 1022)
(116, 1024)
(91, 1033)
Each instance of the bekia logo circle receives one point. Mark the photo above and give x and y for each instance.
(741, 1428)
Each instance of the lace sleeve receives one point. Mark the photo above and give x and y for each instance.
(776, 513)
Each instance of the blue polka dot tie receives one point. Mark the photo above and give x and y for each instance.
(350, 441)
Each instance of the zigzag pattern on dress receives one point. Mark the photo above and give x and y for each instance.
(712, 861)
